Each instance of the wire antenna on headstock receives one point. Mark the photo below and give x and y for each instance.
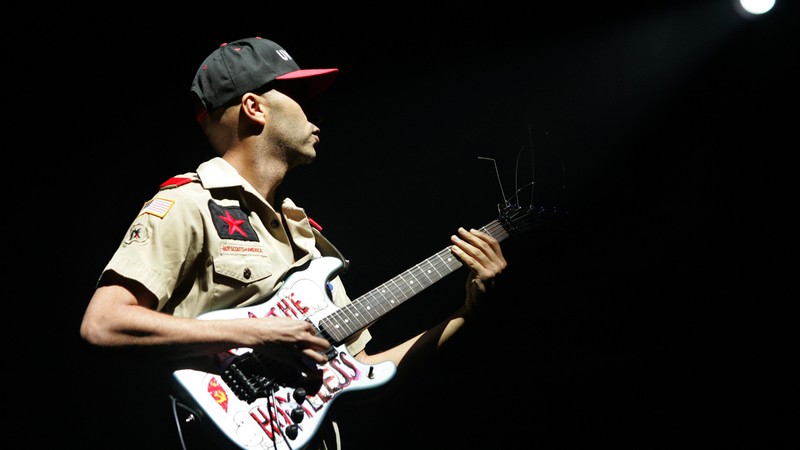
(533, 168)
(532, 184)
(517, 187)
(499, 181)
(514, 216)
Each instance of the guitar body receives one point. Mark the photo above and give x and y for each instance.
(259, 404)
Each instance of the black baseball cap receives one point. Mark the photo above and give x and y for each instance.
(247, 65)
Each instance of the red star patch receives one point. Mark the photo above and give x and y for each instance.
(233, 224)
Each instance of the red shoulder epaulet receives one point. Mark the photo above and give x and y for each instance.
(175, 182)
(314, 224)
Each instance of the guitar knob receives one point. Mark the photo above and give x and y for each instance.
(291, 431)
(299, 395)
(297, 415)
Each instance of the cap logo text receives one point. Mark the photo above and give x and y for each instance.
(283, 54)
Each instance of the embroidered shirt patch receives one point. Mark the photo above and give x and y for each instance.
(158, 207)
(137, 233)
(241, 249)
(231, 223)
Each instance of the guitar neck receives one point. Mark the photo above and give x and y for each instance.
(376, 303)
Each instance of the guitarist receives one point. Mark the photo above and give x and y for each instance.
(223, 237)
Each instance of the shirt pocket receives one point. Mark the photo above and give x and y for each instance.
(243, 268)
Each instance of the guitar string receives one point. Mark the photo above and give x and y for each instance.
(392, 293)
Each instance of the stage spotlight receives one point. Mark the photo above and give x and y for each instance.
(752, 8)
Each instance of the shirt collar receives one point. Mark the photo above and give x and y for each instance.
(218, 173)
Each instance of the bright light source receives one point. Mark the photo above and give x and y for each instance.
(756, 7)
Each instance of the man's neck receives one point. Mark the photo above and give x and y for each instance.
(265, 175)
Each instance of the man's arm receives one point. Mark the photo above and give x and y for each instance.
(121, 315)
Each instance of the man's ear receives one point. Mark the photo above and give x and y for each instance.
(254, 107)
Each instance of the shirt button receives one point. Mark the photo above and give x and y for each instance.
(274, 223)
(246, 273)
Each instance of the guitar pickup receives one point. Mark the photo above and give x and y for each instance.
(331, 353)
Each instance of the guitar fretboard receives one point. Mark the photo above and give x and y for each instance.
(369, 307)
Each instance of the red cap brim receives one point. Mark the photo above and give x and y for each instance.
(317, 80)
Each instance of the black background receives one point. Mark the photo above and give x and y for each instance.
(656, 313)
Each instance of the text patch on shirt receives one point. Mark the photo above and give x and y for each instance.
(241, 249)
(231, 222)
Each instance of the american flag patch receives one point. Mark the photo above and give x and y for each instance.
(157, 207)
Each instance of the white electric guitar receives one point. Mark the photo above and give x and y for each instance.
(259, 403)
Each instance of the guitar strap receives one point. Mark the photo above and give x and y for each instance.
(328, 249)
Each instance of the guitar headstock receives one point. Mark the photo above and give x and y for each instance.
(521, 219)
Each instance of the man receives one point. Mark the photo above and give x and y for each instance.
(223, 238)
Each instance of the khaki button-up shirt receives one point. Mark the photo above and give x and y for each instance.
(208, 241)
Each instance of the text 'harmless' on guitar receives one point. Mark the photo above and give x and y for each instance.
(259, 403)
